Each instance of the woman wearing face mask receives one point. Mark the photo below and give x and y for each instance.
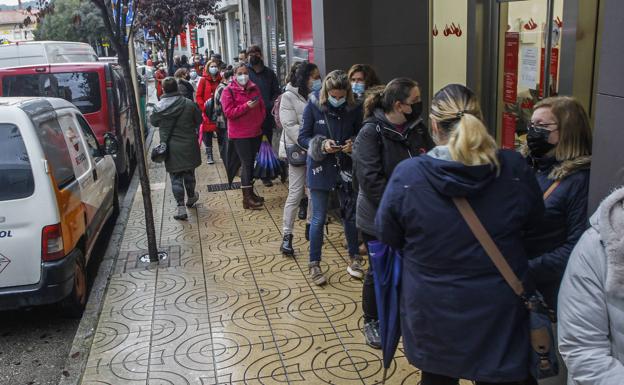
(245, 111)
(459, 317)
(559, 144)
(185, 88)
(206, 88)
(331, 120)
(362, 77)
(306, 80)
(393, 131)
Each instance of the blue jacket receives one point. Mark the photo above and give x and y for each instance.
(550, 243)
(345, 123)
(459, 317)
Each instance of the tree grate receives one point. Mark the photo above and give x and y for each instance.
(223, 187)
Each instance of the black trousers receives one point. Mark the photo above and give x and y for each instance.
(207, 139)
(247, 149)
(369, 302)
(437, 379)
(181, 181)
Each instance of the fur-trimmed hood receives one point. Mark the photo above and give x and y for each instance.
(560, 170)
(609, 222)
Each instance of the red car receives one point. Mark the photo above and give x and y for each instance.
(97, 89)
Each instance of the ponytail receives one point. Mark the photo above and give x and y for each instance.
(471, 144)
(373, 100)
(457, 111)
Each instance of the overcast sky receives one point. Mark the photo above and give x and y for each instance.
(8, 2)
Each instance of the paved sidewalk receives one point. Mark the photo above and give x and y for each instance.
(228, 308)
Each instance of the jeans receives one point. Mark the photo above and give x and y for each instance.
(247, 149)
(438, 379)
(369, 301)
(296, 191)
(180, 181)
(320, 200)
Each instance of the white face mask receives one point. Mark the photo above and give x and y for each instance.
(242, 79)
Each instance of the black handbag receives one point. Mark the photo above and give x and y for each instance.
(296, 155)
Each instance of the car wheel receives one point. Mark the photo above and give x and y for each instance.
(74, 305)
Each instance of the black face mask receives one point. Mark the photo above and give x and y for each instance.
(537, 140)
(254, 60)
(416, 112)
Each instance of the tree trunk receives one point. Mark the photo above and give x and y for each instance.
(140, 154)
(170, 49)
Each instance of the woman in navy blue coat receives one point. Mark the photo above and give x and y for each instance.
(331, 121)
(559, 145)
(459, 318)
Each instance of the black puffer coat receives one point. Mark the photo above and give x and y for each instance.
(377, 150)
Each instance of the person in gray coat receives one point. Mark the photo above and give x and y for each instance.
(178, 119)
(591, 300)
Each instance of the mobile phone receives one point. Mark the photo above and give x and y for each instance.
(255, 98)
(335, 146)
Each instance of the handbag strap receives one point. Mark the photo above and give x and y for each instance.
(551, 189)
(488, 244)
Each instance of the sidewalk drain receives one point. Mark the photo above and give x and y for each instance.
(223, 187)
(131, 261)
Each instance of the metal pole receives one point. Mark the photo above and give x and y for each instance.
(548, 47)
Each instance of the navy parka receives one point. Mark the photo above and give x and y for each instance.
(345, 123)
(459, 317)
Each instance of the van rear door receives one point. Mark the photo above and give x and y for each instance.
(21, 214)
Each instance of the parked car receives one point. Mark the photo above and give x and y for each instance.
(45, 52)
(97, 89)
(58, 187)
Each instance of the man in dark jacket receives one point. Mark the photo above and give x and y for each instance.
(178, 119)
(266, 79)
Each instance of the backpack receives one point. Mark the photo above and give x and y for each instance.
(275, 112)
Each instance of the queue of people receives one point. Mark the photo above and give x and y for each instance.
(397, 181)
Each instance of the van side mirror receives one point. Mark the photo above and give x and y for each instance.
(111, 144)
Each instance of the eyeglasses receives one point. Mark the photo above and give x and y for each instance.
(541, 126)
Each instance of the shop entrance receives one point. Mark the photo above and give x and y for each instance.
(499, 49)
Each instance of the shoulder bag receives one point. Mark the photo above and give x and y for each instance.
(295, 154)
(543, 359)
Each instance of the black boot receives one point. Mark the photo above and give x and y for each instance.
(303, 209)
(209, 158)
(286, 248)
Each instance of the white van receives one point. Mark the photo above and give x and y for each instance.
(45, 52)
(58, 188)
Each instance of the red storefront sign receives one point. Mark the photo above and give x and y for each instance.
(510, 76)
(509, 130)
(554, 71)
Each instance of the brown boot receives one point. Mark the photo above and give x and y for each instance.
(249, 202)
(256, 197)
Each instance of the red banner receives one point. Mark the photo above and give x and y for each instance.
(554, 71)
(510, 76)
(509, 130)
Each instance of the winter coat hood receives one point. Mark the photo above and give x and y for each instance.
(454, 179)
(609, 223)
(388, 130)
(170, 105)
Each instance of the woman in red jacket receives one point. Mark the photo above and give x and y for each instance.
(205, 90)
(245, 111)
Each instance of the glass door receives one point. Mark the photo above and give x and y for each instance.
(531, 32)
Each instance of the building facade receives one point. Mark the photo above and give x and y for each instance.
(12, 28)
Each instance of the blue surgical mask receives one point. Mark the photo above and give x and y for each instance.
(213, 70)
(358, 88)
(316, 85)
(336, 102)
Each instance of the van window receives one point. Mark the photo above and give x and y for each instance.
(122, 94)
(82, 89)
(89, 137)
(55, 150)
(16, 178)
(75, 145)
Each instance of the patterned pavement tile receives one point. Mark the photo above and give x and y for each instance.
(127, 373)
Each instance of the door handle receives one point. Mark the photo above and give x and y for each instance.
(95, 176)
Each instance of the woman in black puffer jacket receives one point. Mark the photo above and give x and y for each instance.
(392, 132)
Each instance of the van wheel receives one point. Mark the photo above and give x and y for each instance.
(74, 305)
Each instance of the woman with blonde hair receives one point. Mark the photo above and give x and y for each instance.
(459, 317)
(331, 121)
(559, 144)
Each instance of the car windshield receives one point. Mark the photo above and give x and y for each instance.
(16, 178)
(82, 89)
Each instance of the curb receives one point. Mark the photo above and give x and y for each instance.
(76, 362)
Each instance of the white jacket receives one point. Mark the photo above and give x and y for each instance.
(290, 113)
(591, 300)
